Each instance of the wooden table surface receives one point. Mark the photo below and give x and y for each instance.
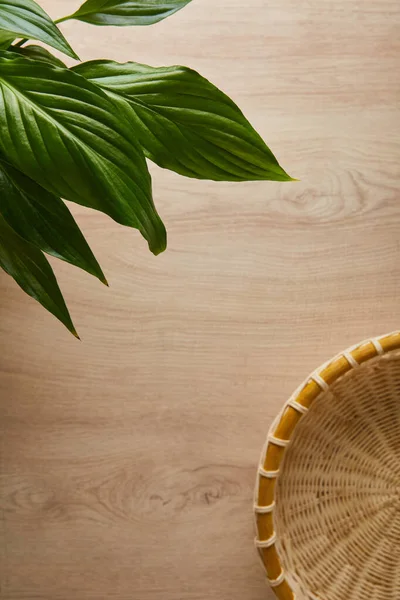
(128, 459)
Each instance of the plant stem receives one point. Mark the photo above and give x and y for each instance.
(62, 19)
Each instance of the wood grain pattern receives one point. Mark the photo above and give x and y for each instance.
(128, 460)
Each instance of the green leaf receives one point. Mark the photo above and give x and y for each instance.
(38, 53)
(30, 269)
(42, 219)
(185, 123)
(5, 39)
(26, 19)
(64, 133)
(127, 12)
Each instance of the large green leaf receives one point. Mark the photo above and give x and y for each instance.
(37, 53)
(185, 123)
(26, 19)
(127, 12)
(5, 39)
(42, 219)
(65, 134)
(30, 269)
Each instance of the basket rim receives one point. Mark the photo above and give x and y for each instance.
(279, 438)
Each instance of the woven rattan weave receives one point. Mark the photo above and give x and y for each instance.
(327, 500)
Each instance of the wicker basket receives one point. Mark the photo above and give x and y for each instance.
(327, 501)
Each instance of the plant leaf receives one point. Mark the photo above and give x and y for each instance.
(127, 12)
(26, 19)
(38, 53)
(42, 219)
(185, 123)
(5, 38)
(64, 133)
(30, 269)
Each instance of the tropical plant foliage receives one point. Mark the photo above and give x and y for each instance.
(84, 133)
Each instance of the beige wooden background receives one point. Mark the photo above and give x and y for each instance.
(128, 459)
